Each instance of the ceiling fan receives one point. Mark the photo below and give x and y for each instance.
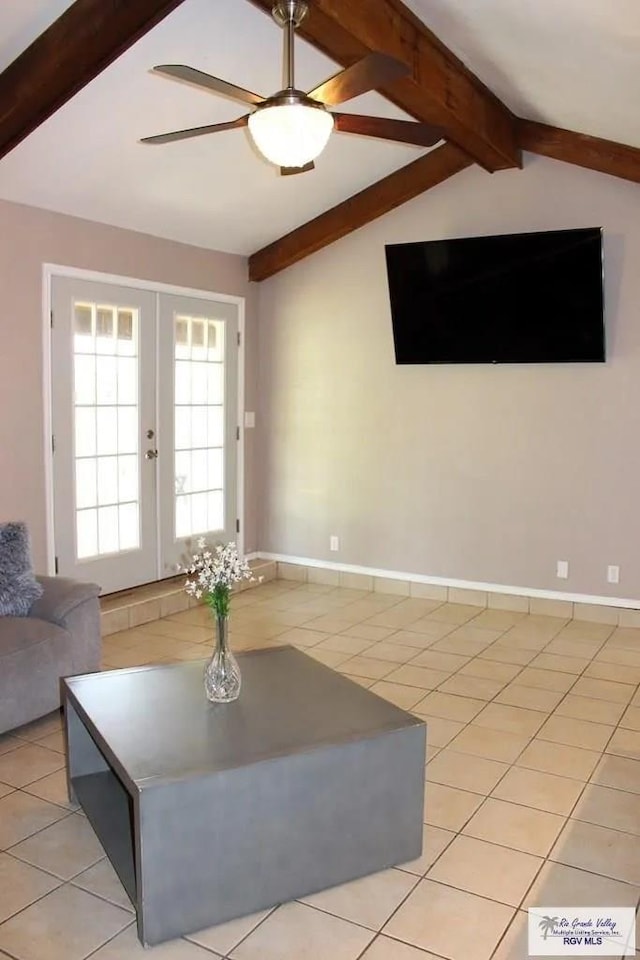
(291, 128)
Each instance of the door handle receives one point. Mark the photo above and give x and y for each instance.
(151, 455)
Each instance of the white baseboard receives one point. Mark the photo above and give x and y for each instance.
(476, 585)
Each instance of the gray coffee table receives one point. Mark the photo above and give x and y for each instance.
(212, 811)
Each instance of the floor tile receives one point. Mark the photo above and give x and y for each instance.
(451, 923)
(367, 631)
(102, 880)
(555, 661)
(560, 759)
(490, 670)
(577, 630)
(297, 930)
(576, 733)
(20, 885)
(565, 646)
(587, 708)
(223, 937)
(616, 673)
(41, 727)
(410, 638)
(126, 946)
(497, 619)
(630, 719)
(546, 679)
(512, 825)
(403, 696)
(448, 807)
(28, 763)
(514, 944)
(369, 901)
(475, 774)
(460, 646)
(531, 698)
(9, 742)
(330, 658)
(436, 660)
(366, 667)
(622, 773)
(430, 630)
(625, 743)
(449, 707)
(66, 923)
(340, 642)
(454, 613)
(609, 808)
(477, 687)
(544, 791)
(22, 815)
(5, 789)
(492, 744)
(53, 788)
(501, 653)
(440, 732)
(599, 689)
(486, 869)
(395, 652)
(500, 716)
(599, 850)
(434, 841)
(64, 849)
(418, 676)
(565, 886)
(384, 948)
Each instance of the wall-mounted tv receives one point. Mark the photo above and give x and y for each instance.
(517, 298)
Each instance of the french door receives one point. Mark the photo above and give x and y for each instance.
(144, 413)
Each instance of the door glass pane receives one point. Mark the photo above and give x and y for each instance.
(199, 378)
(106, 428)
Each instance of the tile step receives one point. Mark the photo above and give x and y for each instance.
(130, 608)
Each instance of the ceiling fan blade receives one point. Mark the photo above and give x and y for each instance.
(372, 72)
(289, 171)
(178, 71)
(402, 131)
(197, 131)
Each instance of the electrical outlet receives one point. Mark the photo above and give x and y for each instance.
(613, 574)
(562, 569)
(334, 543)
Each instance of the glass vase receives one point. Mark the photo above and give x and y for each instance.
(222, 678)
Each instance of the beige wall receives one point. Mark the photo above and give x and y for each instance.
(484, 473)
(31, 237)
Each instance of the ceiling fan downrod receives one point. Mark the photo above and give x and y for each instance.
(289, 14)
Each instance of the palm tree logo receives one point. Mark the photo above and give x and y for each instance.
(548, 925)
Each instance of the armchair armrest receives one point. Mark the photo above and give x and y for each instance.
(61, 596)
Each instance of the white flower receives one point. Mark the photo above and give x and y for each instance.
(214, 572)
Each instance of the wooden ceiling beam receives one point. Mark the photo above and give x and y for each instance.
(605, 156)
(440, 90)
(402, 185)
(84, 40)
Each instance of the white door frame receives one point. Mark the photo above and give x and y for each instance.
(51, 270)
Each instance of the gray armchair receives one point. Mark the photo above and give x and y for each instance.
(60, 637)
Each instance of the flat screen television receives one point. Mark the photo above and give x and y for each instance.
(515, 298)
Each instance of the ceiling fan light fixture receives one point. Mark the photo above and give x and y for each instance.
(290, 134)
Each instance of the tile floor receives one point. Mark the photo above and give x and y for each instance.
(533, 779)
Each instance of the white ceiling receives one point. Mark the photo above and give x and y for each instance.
(570, 63)
(573, 64)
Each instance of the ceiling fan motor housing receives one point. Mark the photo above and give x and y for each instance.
(285, 12)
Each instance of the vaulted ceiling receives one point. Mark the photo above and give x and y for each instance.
(476, 67)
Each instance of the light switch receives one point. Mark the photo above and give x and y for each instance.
(249, 419)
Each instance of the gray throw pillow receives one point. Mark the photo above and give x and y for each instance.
(18, 586)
